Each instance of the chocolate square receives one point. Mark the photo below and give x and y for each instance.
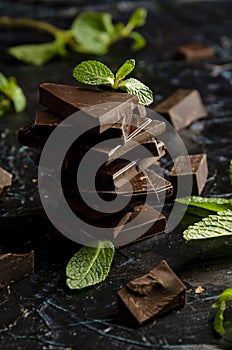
(148, 296)
(182, 108)
(198, 171)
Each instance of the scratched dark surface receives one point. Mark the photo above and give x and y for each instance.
(39, 312)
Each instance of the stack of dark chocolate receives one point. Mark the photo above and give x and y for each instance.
(122, 119)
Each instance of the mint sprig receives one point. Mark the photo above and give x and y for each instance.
(212, 226)
(90, 265)
(93, 72)
(220, 305)
(11, 95)
(211, 204)
(91, 32)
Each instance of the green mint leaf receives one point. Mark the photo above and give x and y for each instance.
(138, 41)
(93, 32)
(3, 82)
(38, 54)
(223, 298)
(12, 92)
(230, 172)
(93, 73)
(212, 204)
(134, 86)
(4, 105)
(125, 69)
(210, 227)
(138, 17)
(17, 96)
(90, 265)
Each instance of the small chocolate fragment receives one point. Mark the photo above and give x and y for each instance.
(151, 295)
(65, 100)
(195, 51)
(198, 171)
(14, 267)
(182, 108)
(5, 181)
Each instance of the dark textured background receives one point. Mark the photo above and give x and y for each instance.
(39, 312)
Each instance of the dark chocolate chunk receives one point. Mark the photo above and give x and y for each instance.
(5, 181)
(121, 224)
(195, 51)
(150, 221)
(182, 108)
(149, 296)
(141, 185)
(198, 170)
(14, 267)
(65, 100)
(32, 136)
(47, 118)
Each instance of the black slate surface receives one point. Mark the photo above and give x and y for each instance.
(39, 312)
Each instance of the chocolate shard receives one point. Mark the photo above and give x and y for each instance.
(139, 186)
(151, 295)
(14, 267)
(47, 118)
(182, 108)
(198, 170)
(145, 219)
(31, 136)
(65, 100)
(5, 181)
(195, 51)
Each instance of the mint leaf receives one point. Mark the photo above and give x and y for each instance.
(210, 227)
(4, 105)
(125, 69)
(38, 54)
(17, 96)
(3, 82)
(93, 73)
(134, 86)
(11, 92)
(230, 172)
(138, 41)
(138, 17)
(93, 32)
(212, 204)
(90, 265)
(223, 298)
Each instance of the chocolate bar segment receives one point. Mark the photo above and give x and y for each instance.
(65, 100)
(195, 51)
(14, 267)
(182, 108)
(148, 296)
(198, 171)
(5, 181)
(150, 221)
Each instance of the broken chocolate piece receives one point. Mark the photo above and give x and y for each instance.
(5, 181)
(195, 51)
(198, 171)
(151, 295)
(65, 100)
(14, 267)
(182, 108)
(150, 221)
